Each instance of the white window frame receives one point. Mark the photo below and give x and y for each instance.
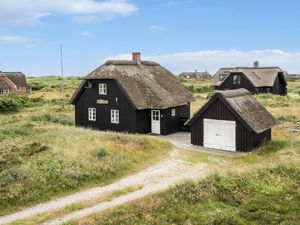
(173, 112)
(102, 89)
(236, 79)
(114, 116)
(18, 88)
(1, 91)
(92, 114)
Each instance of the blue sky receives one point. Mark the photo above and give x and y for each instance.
(182, 35)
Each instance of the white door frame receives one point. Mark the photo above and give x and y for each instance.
(155, 121)
(219, 134)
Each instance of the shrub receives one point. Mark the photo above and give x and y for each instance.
(14, 103)
(101, 153)
(56, 118)
(36, 86)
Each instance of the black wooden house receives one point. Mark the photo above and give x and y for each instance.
(231, 120)
(255, 79)
(132, 96)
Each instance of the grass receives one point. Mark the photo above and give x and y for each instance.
(267, 196)
(42, 154)
(41, 218)
(260, 187)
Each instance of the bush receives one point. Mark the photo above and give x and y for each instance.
(14, 103)
(56, 118)
(101, 153)
(36, 86)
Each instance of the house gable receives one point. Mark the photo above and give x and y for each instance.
(115, 99)
(228, 83)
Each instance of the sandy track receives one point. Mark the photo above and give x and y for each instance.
(153, 179)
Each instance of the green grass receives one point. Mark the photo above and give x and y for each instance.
(42, 154)
(268, 196)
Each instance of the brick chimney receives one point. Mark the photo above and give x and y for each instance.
(136, 56)
(256, 64)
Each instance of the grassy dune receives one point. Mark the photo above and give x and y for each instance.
(261, 187)
(42, 154)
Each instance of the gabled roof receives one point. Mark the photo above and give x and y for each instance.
(244, 106)
(258, 76)
(147, 84)
(3, 85)
(18, 78)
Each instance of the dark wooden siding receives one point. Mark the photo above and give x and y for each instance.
(143, 121)
(279, 86)
(116, 100)
(171, 124)
(245, 139)
(245, 83)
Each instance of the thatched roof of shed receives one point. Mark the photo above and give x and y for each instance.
(245, 106)
(258, 76)
(147, 84)
(18, 78)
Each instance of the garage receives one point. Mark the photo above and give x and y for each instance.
(219, 134)
(232, 121)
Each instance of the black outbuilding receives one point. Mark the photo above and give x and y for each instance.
(231, 120)
(132, 96)
(255, 79)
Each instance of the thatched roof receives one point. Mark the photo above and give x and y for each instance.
(18, 78)
(3, 85)
(258, 76)
(147, 84)
(194, 75)
(245, 106)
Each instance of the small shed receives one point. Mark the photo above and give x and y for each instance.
(231, 120)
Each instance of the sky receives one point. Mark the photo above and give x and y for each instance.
(181, 35)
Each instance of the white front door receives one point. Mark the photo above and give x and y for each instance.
(155, 121)
(219, 134)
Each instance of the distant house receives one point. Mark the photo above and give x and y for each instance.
(132, 96)
(12, 82)
(255, 79)
(231, 120)
(195, 75)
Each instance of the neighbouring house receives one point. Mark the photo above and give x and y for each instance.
(255, 79)
(13, 82)
(195, 75)
(231, 120)
(132, 96)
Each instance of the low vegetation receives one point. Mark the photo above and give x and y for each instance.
(267, 196)
(42, 154)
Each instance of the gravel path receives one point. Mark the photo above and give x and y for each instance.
(154, 179)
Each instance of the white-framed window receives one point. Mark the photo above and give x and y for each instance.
(173, 112)
(1, 92)
(18, 88)
(92, 114)
(114, 116)
(102, 89)
(236, 79)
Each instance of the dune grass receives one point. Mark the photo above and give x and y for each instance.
(267, 196)
(43, 155)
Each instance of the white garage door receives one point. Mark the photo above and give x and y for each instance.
(219, 134)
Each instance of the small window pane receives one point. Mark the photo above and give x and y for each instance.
(92, 114)
(114, 116)
(102, 89)
(173, 113)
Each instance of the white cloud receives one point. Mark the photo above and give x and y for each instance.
(156, 28)
(20, 12)
(7, 39)
(213, 60)
(85, 34)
